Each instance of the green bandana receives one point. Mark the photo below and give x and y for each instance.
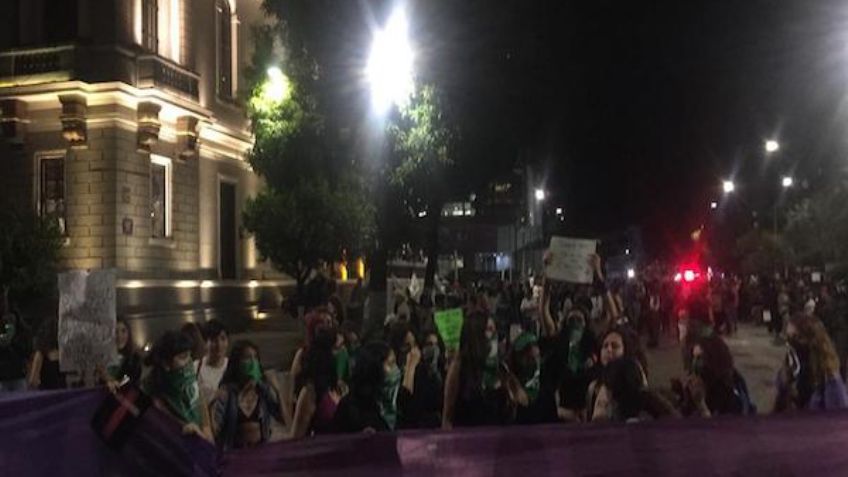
(388, 397)
(575, 357)
(490, 370)
(251, 369)
(342, 359)
(182, 394)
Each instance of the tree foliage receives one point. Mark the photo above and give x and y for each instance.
(314, 208)
(817, 228)
(30, 247)
(761, 252)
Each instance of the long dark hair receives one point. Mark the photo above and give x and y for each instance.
(623, 379)
(47, 338)
(632, 347)
(397, 339)
(473, 351)
(232, 375)
(130, 347)
(368, 374)
(319, 364)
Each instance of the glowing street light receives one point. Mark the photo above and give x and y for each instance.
(631, 274)
(559, 210)
(728, 186)
(390, 64)
(713, 205)
(540, 195)
(787, 182)
(772, 146)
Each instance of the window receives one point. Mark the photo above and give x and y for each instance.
(225, 49)
(160, 197)
(149, 23)
(51, 186)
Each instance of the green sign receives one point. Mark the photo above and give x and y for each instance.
(449, 323)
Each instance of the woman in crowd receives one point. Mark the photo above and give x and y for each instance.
(428, 391)
(809, 378)
(622, 395)
(44, 371)
(475, 391)
(316, 384)
(713, 387)
(172, 383)
(198, 342)
(380, 395)
(618, 343)
(128, 366)
(246, 401)
(212, 366)
(576, 358)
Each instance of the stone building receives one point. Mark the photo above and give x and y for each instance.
(120, 120)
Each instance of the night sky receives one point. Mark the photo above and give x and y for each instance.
(637, 110)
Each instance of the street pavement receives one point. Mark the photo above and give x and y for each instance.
(755, 355)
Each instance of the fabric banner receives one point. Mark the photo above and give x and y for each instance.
(811, 444)
(449, 324)
(50, 433)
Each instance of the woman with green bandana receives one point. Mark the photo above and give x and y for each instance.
(172, 384)
(246, 402)
(380, 394)
(475, 387)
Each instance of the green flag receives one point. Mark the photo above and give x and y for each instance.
(449, 323)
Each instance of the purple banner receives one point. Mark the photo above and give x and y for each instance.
(811, 444)
(50, 433)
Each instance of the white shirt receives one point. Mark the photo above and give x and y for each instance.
(209, 378)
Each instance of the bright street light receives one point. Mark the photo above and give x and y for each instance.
(540, 194)
(714, 205)
(559, 210)
(787, 182)
(631, 274)
(389, 69)
(772, 146)
(728, 186)
(278, 85)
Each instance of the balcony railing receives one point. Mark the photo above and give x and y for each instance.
(24, 64)
(157, 71)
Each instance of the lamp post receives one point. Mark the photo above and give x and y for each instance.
(389, 74)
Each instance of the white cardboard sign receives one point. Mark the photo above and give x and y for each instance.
(569, 260)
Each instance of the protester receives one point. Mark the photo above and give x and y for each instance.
(198, 342)
(316, 380)
(576, 359)
(127, 368)
(246, 401)
(14, 350)
(211, 367)
(622, 395)
(475, 392)
(713, 386)
(172, 383)
(428, 392)
(379, 395)
(44, 373)
(809, 378)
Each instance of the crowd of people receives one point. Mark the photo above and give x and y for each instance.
(529, 353)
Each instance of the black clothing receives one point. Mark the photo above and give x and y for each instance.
(51, 377)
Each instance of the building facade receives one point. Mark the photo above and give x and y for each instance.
(120, 119)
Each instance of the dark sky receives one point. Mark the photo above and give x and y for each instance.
(636, 110)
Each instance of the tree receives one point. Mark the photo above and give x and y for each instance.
(817, 228)
(424, 145)
(314, 208)
(29, 252)
(761, 252)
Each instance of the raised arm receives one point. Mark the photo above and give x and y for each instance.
(549, 327)
(451, 393)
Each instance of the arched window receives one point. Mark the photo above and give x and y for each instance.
(225, 49)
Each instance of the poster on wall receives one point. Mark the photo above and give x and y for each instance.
(568, 260)
(86, 319)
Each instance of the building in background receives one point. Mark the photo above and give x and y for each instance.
(120, 119)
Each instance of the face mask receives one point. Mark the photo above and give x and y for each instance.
(697, 365)
(251, 370)
(182, 394)
(388, 396)
(431, 354)
(576, 332)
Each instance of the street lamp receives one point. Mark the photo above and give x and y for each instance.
(728, 186)
(540, 195)
(713, 205)
(772, 146)
(787, 182)
(390, 64)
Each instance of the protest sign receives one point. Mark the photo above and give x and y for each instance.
(86, 319)
(449, 323)
(568, 260)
